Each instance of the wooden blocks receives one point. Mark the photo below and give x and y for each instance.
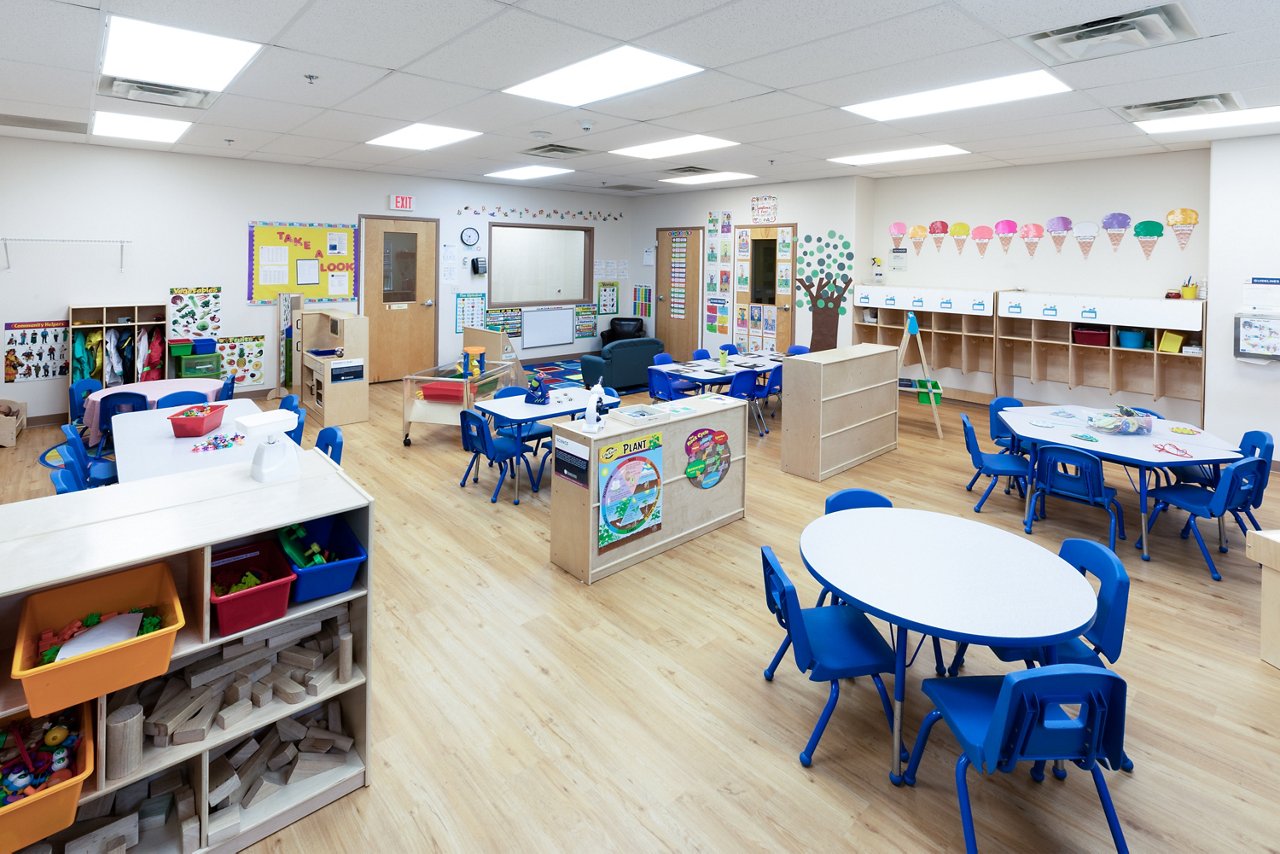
(130, 797)
(190, 834)
(336, 739)
(153, 811)
(261, 693)
(238, 689)
(96, 808)
(185, 801)
(124, 741)
(223, 780)
(258, 792)
(290, 730)
(168, 782)
(288, 690)
(314, 745)
(252, 769)
(242, 753)
(224, 824)
(307, 659)
(346, 645)
(96, 841)
(282, 758)
(233, 714)
(197, 729)
(204, 672)
(311, 764)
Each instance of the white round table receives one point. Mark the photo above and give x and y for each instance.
(949, 577)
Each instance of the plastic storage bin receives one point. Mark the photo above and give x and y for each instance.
(180, 347)
(206, 365)
(1092, 337)
(326, 579)
(186, 426)
(268, 601)
(204, 346)
(1132, 339)
(44, 813)
(56, 686)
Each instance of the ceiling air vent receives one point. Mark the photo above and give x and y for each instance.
(554, 151)
(34, 123)
(1154, 27)
(630, 188)
(689, 170)
(1203, 105)
(151, 93)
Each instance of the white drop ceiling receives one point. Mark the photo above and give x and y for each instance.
(777, 75)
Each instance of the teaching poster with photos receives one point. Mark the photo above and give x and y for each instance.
(35, 350)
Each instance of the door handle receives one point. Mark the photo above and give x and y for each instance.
(661, 298)
(429, 303)
(786, 307)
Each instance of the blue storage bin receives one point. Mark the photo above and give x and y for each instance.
(326, 579)
(203, 346)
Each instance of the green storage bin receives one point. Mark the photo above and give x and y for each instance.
(923, 396)
(179, 347)
(205, 365)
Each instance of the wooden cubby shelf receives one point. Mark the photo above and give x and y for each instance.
(125, 320)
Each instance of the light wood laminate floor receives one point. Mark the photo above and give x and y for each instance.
(517, 709)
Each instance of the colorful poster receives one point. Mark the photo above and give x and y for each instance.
(284, 306)
(755, 344)
(726, 250)
(784, 243)
(756, 318)
(642, 301)
(712, 256)
(709, 454)
(630, 481)
(469, 311)
(742, 318)
(195, 312)
(584, 320)
(607, 297)
(764, 209)
(725, 275)
(508, 320)
(744, 245)
(35, 350)
(243, 357)
(713, 281)
(722, 317)
(318, 260)
(784, 278)
(713, 222)
(770, 319)
(740, 339)
(726, 222)
(744, 278)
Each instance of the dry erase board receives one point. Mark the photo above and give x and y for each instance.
(547, 327)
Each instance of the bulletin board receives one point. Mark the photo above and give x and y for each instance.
(319, 260)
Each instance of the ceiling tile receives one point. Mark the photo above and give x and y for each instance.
(844, 141)
(409, 97)
(1032, 108)
(1016, 19)
(1031, 160)
(1119, 144)
(393, 35)
(509, 48)
(1228, 79)
(772, 105)
(706, 89)
(1038, 124)
(349, 127)
(256, 114)
(280, 75)
(366, 154)
(44, 111)
(250, 20)
(216, 136)
(494, 112)
(620, 20)
(46, 84)
(302, 146)
(787, 127)
(1203, 55)
(1118, 131)
(208, 151)
(50, 33)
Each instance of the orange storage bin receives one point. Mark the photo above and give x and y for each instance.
(56, 686)
(32, 819)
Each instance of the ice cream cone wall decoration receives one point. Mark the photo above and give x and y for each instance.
(916, 235)
(959, 233)
(1116, 224)
(982, 235)
(1086, 233)
(1148, 232)
(1058, 227)
(897, 231)
(1005, 230)
(938, 230)
(1183, 221)
(1031, 233)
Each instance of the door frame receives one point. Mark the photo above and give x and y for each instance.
(790, 310)
(364, 271)
(692, 284)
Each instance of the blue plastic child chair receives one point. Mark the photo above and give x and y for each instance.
(329, 440)
(1075, 475)
(994, 466)
(502, 451)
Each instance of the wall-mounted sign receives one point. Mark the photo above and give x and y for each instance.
(400, 203)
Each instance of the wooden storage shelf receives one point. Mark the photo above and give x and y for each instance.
(1051, 362)
(126, 318)
(1133, 371)
(1090, 366)
(161, 519)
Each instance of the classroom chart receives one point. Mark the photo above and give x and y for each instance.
(318, 260)
(35, 350)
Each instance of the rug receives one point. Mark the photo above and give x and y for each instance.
(567, 372)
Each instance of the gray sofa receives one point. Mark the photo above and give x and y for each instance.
(622, 364)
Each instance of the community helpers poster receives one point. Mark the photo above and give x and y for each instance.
(243, 358)
(195, 312)
(631, 489)
(35, 350)
(318, 260)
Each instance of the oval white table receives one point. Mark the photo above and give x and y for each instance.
(949, 577)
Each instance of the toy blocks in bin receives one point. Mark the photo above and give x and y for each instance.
(13, 423)
(325, 555)
(60, 684)
(46, 810)
(254, 581)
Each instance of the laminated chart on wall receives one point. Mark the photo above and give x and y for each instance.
(195, 312)
(757, 318)
(642, 301)
(243, 357)
(584, 320)
(785, 243)
(469, 311)
(769, 320)
(709, 457)
(717, 319)
(744, 277)
(740, 324)
(679, 268)
(784, 277)
(744, 245)
(36, 350)
(607, 297)
(508, 320)
(630, 478)
(319, 260)
(764, 209)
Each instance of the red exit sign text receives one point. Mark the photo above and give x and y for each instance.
(400, 203)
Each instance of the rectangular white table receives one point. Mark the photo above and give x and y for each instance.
(146, 447)
(706, 372)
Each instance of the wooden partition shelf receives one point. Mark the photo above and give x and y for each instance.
(164, 519)
(842, 409)
(125, 320)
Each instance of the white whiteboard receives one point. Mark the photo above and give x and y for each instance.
(537, 265)
(546, 327)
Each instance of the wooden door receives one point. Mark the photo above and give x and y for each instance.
(400, 290)
(778, 302)
(678, 300)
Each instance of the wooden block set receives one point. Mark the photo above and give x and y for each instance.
(115, 821)
(290, 661)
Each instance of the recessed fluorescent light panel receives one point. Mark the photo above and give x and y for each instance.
(674, 147)
(422, 137)
(998, 90)
(901, 154)
(151, 53)
(124, 126)
(525, 173)
(1238, 118)
(708, 178)
(616, 72)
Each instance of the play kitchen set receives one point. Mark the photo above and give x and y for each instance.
(335, 386)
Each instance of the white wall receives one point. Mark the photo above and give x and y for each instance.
(1243, 188)
(187, 218)
(814, 206)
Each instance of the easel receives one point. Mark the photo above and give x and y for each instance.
(913, 332)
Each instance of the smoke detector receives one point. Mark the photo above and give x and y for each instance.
(151, 93)
(1147, 28)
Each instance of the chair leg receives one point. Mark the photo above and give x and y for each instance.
(542, 467)
(502, 475)
(806, 755)
(966, 811)
(466, 474)
(777, 658)
(1031, 511)
(922, 738)
(534, 483)
(1195, 529)
(1113, 820)
(938, 667)
(957, 661)
(977, 474)
(977, 508)
(1249, 513)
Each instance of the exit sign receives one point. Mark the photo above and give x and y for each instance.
(400, 203)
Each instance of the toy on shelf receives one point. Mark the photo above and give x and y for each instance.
(294, 541)
(50, 642)
(472, 364)
(37, 753)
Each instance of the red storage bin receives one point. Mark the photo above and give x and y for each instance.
(1092, 337)
(268, 601)
(186, 426)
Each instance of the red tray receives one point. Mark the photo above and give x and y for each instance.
(187, 426)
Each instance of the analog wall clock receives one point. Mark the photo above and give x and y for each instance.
(470, 237)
